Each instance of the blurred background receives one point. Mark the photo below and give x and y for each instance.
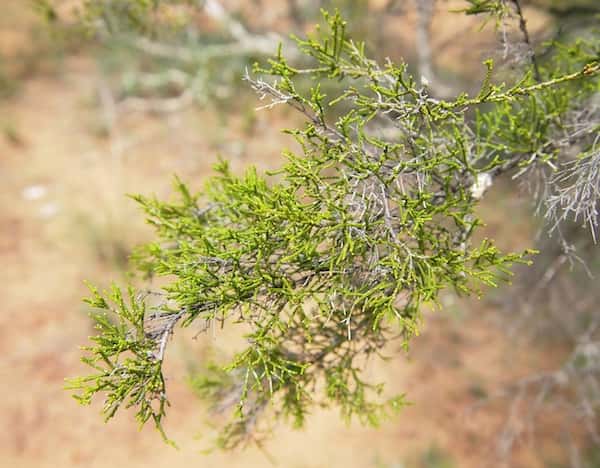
(114, 101)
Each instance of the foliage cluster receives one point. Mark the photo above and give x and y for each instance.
(328, 259)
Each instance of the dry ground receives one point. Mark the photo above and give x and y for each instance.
(81, 226)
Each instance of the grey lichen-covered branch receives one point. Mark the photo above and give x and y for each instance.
(576, 190)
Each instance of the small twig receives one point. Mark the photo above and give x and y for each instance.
(526, 39)
(165, 331)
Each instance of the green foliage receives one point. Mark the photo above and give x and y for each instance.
(434, 457)
(583, 7)
(8, 84)
(124, 358)
(11, 133)
(46, 10)
(495, 8)
(591, 458)
(532, 126)
(325, 261)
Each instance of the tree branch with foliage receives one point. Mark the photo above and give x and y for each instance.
(325, 261)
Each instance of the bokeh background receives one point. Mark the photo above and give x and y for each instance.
(86, 118)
